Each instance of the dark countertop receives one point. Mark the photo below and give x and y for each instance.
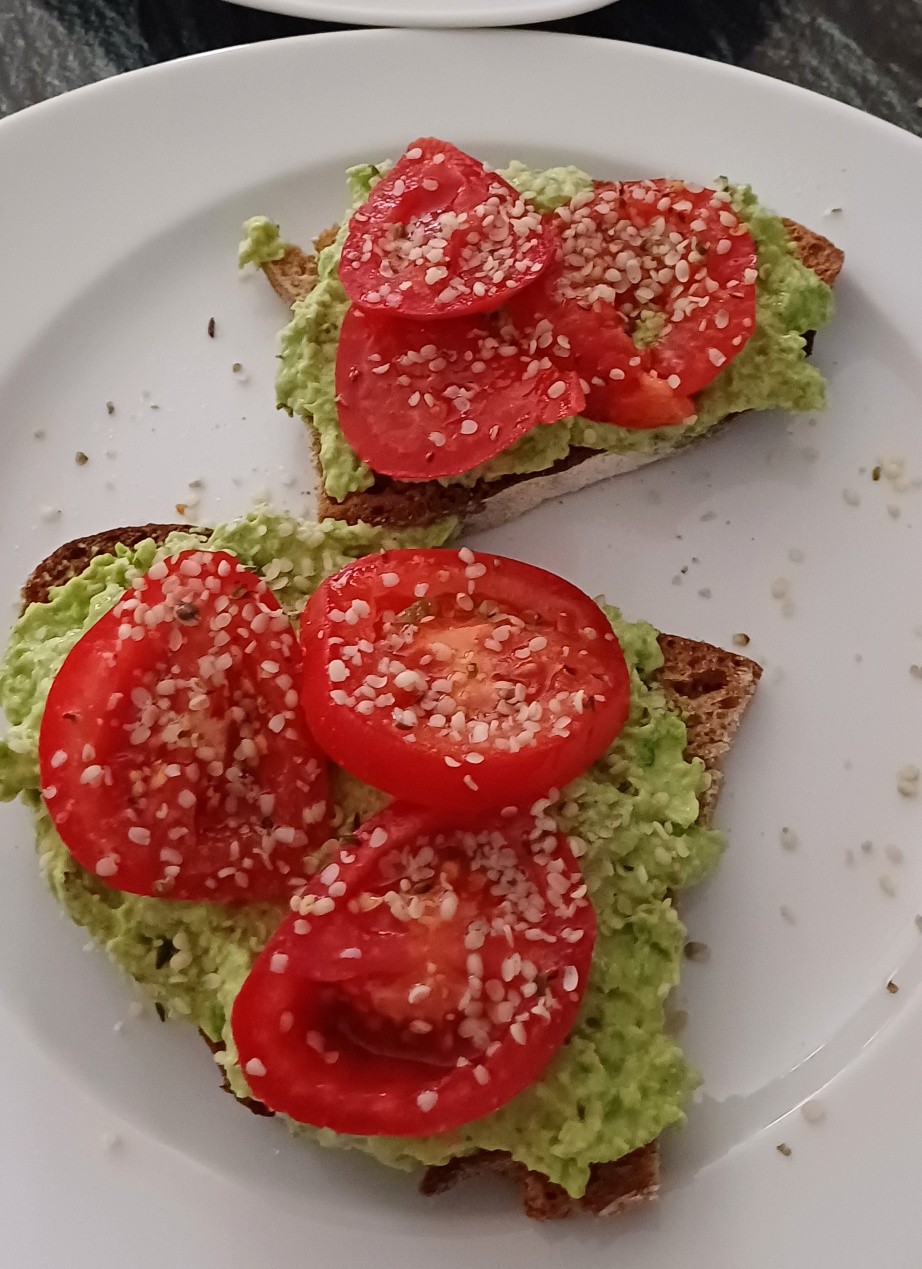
(865, 52)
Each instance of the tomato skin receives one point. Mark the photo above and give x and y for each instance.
(575, 673)
(408, 251)
(722, 251)
(617, 262)
(195, 666)
(617, 377)
(410, 422)
(374, 1024)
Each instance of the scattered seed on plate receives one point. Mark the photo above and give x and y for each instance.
(787, 914)
(783, 1148)
(875, 472)
(705, 592)
(110, 407)
(892, 987)
(867, 847)
(81, 459)
(851, 496)
(813, 1111)
(888, 885)
(781, 587)
(211, 328)
(907, 781)
(789, 839)
(741, 640)
(697, 951)
(894, 854)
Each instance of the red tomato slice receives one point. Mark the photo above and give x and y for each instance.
(440, 236)
(458, 680)
(420, 400)
(174, 757)
(661, 247)
(615, 375)
(422, 980)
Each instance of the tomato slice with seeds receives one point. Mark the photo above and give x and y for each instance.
(425, 977)
(460, 680)
(174, 756)
(615, 375)
(676, 259)
(440, 236)
(422, 400)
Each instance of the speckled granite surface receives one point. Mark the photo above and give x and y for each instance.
(866, 52)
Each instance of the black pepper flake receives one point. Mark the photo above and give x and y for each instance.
(892, 987)
(110, 407)
(161, 1012)
(875, 474)
(211, 328)
(187, 613)
(81, 459)
(784, 1148)
(165, 951)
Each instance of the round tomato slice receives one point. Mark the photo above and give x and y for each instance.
(422, 400)
(440, 236)
(458, 680)
(422, 980)
(676, 262)
(174, 756)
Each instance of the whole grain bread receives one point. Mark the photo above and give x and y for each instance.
(494, 502)
(708, 686)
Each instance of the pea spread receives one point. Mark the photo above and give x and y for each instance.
(620, 1079)
(770, 372)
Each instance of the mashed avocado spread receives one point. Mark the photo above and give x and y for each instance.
(771, 371)
(620, 1079)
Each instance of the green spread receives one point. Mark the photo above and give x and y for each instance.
(771, 371)
(620, 1079)
(262, 243)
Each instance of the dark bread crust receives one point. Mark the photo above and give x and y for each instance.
(402, 503)
(73, 557)
(708, 686)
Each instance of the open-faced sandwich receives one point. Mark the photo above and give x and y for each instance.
(399, 828)
(470, 343)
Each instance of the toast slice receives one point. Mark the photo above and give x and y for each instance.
(708, 686)
(491, 503)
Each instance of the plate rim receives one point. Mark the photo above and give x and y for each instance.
(114, 86)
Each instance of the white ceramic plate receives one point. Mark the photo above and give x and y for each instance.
(119, 218)
(430, 13)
